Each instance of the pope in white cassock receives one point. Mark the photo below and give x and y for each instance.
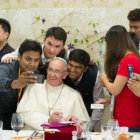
(52, 101)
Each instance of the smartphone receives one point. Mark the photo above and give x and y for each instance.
(130, 71)
(40, 78)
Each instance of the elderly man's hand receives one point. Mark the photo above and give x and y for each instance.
(71, 118)
(24, 79)
(56, 117)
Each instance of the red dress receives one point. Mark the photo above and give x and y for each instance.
(127, 107)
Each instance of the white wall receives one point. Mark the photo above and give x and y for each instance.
(76, 20)
(24, 4)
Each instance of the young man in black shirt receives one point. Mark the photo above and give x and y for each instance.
(84, 78)
(5, 30)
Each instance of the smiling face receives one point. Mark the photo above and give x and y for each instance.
(75, 70)
(52, 47)
(29, 61)
(135, 27)
(56, 72)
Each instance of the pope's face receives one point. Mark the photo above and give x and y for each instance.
(135, 27)
(52, 47)
(56, 72)
(29, 61)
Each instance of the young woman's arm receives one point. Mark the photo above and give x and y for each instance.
(116, 87)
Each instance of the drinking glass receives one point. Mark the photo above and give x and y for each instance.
(16, 123)
(82, 130)
(115, 127)
(114, 124)
(106, 130)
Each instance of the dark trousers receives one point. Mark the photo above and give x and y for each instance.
(134, 129)
(6, 118)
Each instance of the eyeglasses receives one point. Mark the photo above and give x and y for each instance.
(54, 71)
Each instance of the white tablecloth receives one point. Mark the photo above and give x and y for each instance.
(7, 134)
(96, 136)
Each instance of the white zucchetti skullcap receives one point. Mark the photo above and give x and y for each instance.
(61, 59)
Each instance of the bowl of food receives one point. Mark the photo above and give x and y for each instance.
(124, 136)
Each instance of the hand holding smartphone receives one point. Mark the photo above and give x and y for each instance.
(40, 78)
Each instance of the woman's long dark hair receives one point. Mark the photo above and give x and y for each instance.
(118, 42)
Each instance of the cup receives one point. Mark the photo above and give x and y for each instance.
(124, 130)
(82, 130)
(1, 126)
(106, 130)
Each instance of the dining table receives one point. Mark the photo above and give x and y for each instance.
(22, 135)
(98, 136)
(26, 134)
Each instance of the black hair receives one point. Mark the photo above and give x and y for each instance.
(58, 33)
(80, 56)
(5, 25)
(30, 45)
(134, 15)
(134, 38)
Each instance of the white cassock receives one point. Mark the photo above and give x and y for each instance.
(40, 100)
